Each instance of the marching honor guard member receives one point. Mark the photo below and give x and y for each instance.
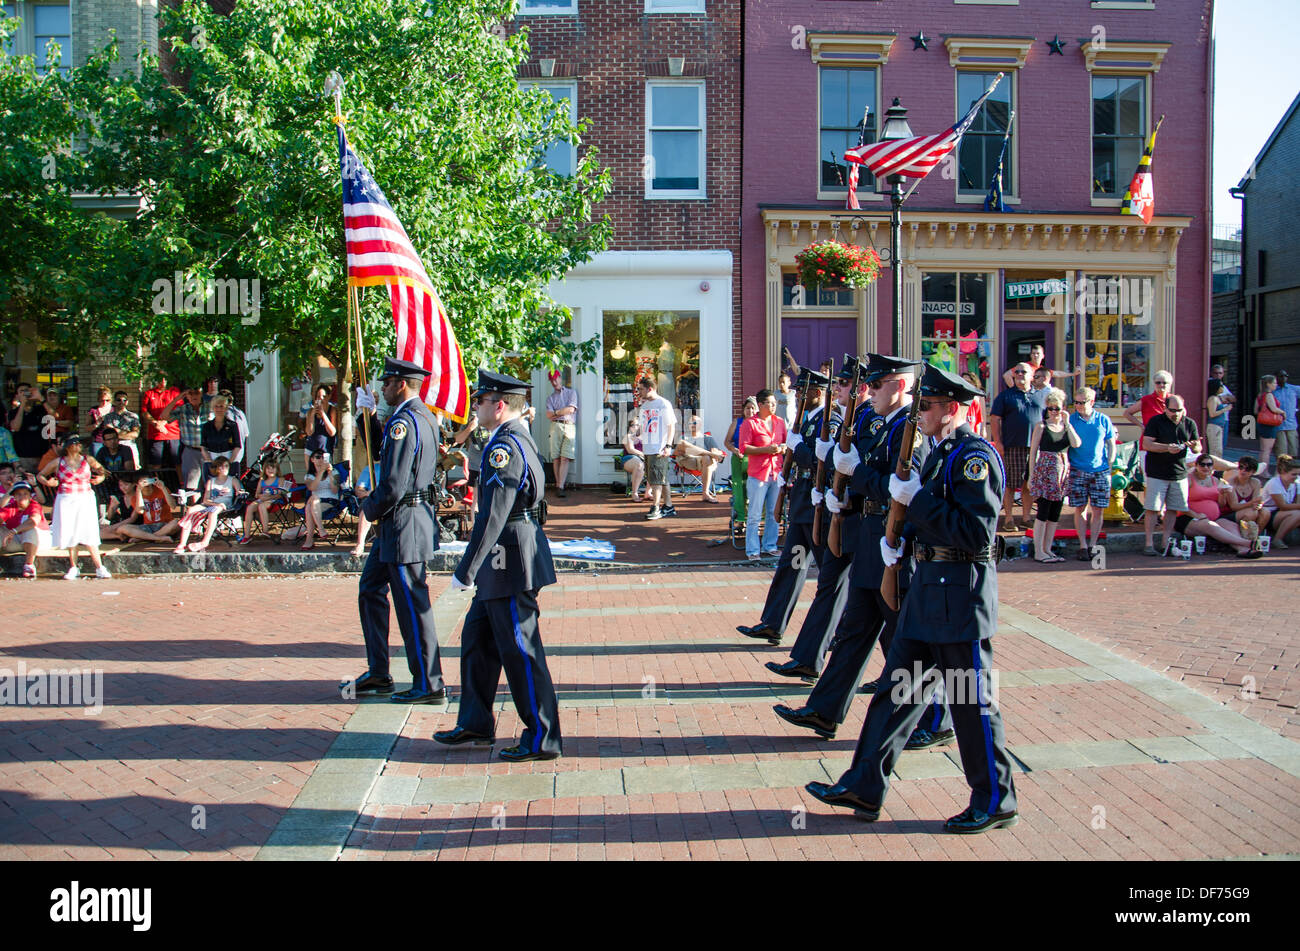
(820, 623)
(797, 553)
(946, 622)
(406, 536)
(509, 559)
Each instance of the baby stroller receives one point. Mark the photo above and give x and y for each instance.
(273, 450)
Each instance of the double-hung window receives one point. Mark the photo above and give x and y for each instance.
(845, 93)
(675, 158)
(981, 146)
(547, 6)
(1119, 129)
(44, 27)
(561, 155)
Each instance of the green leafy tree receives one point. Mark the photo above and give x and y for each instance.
(234, 154)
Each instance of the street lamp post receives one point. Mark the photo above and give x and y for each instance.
(896, 127)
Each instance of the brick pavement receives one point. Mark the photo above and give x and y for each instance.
(220, 694)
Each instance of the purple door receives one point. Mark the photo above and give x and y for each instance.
(814, 339)
(1020, 335)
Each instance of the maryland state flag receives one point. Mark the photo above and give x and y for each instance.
(1140, 199)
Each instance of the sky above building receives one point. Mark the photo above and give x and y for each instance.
(1256, 77)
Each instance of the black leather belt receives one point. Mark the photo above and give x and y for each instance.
(413, 499)
(939, 553)
(873, 508)
(527, 515)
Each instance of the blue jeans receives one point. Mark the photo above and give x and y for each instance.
(761, 497)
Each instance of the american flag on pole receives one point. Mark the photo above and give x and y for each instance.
(852, 202)
(916, 156)
(1140, 199)
(379, 252)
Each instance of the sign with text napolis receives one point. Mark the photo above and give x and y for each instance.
(1036, 288)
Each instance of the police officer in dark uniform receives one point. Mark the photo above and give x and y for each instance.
(406, 536)
(875, 451)
(946, 623)
(509, 559)
(797, 553)
(819, 625)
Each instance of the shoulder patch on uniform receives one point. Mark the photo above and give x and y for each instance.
(875, 425)
(976, 469)
(498, 457)
(835, 429)
(398, 430)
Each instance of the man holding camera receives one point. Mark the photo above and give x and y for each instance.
(406, 536)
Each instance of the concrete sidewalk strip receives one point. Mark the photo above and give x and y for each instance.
(1172, 749)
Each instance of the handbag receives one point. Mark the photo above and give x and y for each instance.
(1265, 416)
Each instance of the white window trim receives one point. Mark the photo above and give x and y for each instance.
(570, 10)
(1007, 198)
(680, 6)
(1146, 134)
(660, 194)
(1123, 4)
(866, 181)
(570, 86)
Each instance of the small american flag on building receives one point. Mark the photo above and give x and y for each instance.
(379, 252)
(914, 157)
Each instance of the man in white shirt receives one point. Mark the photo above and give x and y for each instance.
(658, 435)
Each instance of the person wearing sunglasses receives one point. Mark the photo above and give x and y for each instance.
(1153, 404)
(946, 622)
(406, 536)
(1167, 438)
(508, 561)
(1049, 466)
(1204, 491)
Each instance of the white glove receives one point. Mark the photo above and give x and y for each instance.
(890, 556)
(904, 491)
(818, 496)
(365, 399)
(833, 504)
(846, 462)
(793, 441)
(823, 447)
(458, 585)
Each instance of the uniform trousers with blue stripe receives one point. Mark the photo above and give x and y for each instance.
(823, 616)
(410, 594)
(791, 573)
(896, 710)
(503, 633)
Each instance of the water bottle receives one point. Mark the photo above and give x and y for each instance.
(1024, 546)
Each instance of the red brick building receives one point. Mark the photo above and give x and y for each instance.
(660, 82)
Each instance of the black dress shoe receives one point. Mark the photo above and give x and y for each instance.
(870, 687)
(522, 754)
(838, 795)
(367, 685)
(763, 632)
(459, 735)
(924, 739)
(792, 668)
(977, 820)
(420, 696)
(809, 718)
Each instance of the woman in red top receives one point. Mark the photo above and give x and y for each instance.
(76, 517)
(1153, 404)
(762, 443)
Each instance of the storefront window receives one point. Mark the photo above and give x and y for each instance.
(955, 330)
(1117, 337)
(661, 344)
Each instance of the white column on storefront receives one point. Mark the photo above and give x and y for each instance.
(263, 395)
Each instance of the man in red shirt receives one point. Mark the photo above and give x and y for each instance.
(162, 436)
(20, 520)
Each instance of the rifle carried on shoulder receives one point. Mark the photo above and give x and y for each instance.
(839, 488)
(806, 392)
(819, 477)
(897, 510)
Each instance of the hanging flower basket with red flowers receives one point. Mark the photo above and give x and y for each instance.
(831, 264)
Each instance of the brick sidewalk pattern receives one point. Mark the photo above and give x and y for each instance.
(221, 694)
